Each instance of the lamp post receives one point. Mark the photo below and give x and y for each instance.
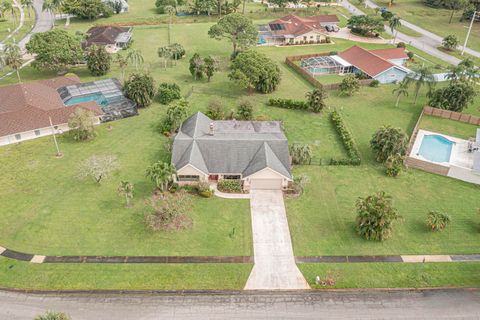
(468, 33)
(59, 154)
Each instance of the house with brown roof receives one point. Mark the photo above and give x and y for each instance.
(35, 109)
(113, 38)
(293, 29)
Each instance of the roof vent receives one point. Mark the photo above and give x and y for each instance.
(212, 131)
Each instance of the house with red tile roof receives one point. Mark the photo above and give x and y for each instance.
(30, 110)
(293, 29)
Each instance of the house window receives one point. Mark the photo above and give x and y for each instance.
(188, 178)
(18, 136)
(231, 177)
(305, 38)
(311, 37)
(37, 132)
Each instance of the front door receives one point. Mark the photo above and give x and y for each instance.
(213, 177)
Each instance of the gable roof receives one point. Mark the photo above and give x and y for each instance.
(28, 106)
(367, 61)
(293, 25)
(390, 53)
(104, 35)
(235, 147)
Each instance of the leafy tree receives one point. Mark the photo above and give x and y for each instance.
(455, 5)
(169, 212)
(455, 97)
(401, 90)
(177, 50)
(215, 110)
(450, 42)
(167, 92)
(349, 85)
(316, 99)
(365, 25)
(254, 70)
(387, 15)
(125, 189)
(245, 110)
(197, 66)
(279, 3)
(375, 216)
(12, 57)
(176, 113)
(301, 153)
(163, 4)
(394, 23)
(98, 167)
(388, 142)
(438, 220)
(54, 49)
(165, 54)
(98, 60)
(135, 57)
(203, 6)
(211, 65)
(237, 28)
(50, 315)
(161, 173)
(81, 124)
(86, 9)
(140, 88)
(421, 76)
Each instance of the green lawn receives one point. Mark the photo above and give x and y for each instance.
(394, 275)
(435, 20)
(449, 127)
(330, 78)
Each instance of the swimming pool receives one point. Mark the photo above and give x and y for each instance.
(97, 97)
(436, 148)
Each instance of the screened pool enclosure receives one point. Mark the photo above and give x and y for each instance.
(322, 65)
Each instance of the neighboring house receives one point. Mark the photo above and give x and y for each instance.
(292, 29)
(112, 37)
(27, 109)
(255, 152)
(119, 6)
(384, 65)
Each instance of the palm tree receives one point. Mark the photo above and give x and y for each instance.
(165, 53)
(28, 4)
(135, 57)
(49, 6)
(161, 173)
(125, 189)
(170, 11)
(394, 24)
(8, 6)
(401, 90)
(421, 76)
(12, 57)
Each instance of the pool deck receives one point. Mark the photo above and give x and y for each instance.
(460, 165)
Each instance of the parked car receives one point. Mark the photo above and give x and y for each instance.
(331, 28)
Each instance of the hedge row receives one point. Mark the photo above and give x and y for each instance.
(347, 139)
(230, 186)
(288, 104)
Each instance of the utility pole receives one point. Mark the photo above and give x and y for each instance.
(468, 33)
(59, 154)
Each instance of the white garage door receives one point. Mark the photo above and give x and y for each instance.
(266, 184)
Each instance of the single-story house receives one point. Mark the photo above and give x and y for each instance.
(112, 37)
(119, 6)
(255, 152)
(292, 29)
(384, 65)
(26, 109)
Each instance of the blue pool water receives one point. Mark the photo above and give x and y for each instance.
(98, 97)
(436, 148)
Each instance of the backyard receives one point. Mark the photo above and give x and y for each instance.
(45, 209)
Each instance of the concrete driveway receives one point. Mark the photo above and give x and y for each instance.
(275, 267)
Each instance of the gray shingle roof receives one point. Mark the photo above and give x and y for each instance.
(234, 147)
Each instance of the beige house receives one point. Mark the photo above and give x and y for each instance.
(254, 152)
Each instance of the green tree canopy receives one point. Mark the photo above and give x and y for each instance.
(98, 60)
(254, 70)
(54, 49)
(140, 88)
(457, 96)
(237, 28)
(365, 25)
(388, 142)
(87, 9)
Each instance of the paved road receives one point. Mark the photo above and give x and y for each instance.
(424, 43)
(274, 267)
(43, 22)
(451, 304)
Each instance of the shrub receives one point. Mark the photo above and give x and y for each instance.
(230, 186)
(401, 45)
(203, 189)
(374, 84)
(50, 315)
(437, 220)
(450, 42)
(245, 110)
(288, 104)
(333, 53)
(410, 55)
(169, 212)
(316, 99)
(388, 142)
(140, 88)
(81, 124)
(174, 117)
(299, 183)
(215, 110)
(301, 153)
(167, 92)
(375, 216)
(349, 85)
(347, 140)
